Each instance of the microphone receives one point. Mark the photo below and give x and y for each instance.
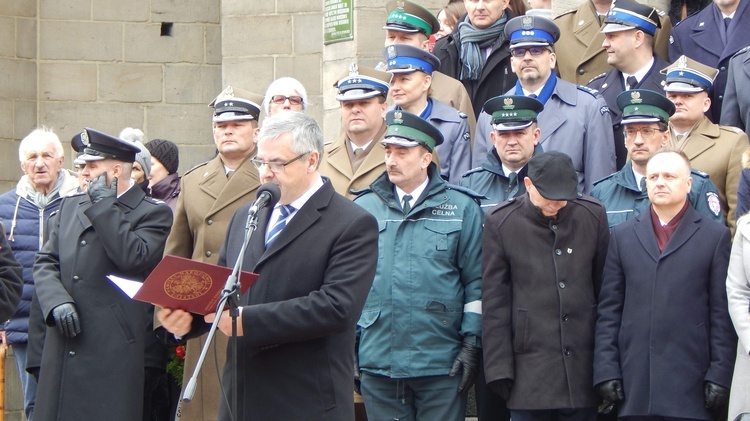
(268, 195)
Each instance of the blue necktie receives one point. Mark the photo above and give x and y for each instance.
(285, 210)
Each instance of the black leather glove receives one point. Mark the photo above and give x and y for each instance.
(66, 320)
(716, 396)
(34, 373)
(98, 189)
(357, 378)
(468, 361)
(501, 388)
(611, 390)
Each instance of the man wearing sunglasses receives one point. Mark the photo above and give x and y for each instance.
(645, 128)
(211, 193)
(575, 120)
(629, 41)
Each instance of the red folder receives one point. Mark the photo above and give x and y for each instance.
(189, 285)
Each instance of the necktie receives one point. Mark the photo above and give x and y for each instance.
(229, 173)
(512, 184)
(358, 152)
(285, 210)
(632, 81)
(643, 184)
(727, 21)
(406, 203)
(532, 95)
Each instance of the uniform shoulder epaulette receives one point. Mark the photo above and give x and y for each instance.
(742, 51)
(589, 199)
(196, 167)
(154, 200)
(567, 12)
(361, 192)
(698, 173)
(661, 13)
(327, 142)
(604, 178)
(462, 115)
(731, 129)
(590, 91)
(597, 77)
(472, 171)
(467, 191)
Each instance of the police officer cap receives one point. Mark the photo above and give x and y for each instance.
(688, 75)
(626, 15)
(77, 144)
(553, 175)
(531, 31)
(513, 112)
(362, 82)
(409, 130)
(234, 104)
(644, 106)
(402, 58)
(99, 146)
(407, 16)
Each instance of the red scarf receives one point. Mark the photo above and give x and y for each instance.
(664, 233)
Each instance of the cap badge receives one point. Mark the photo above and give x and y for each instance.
(527, 22)
(682, 61)
(85, 139)
(353, 69)
(400, 5)
(635, 97)
(508, 104)
(229, 91)
(681, 73)
(392, 52)
(397, 117)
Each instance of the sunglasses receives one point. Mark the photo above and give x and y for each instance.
(280, 99)
(521, 51)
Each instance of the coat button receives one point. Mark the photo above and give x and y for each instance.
(581, 71)
(76, 278)
(210, 221)
(558, 252)
(721, 97)
(561, 285)
(554, 227)
(723, 69)
(445, 323)
(71, 354)
(566, 351)
(83, 242)
(565, 318)
(208, 254)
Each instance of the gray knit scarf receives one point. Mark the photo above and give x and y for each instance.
(473, 43)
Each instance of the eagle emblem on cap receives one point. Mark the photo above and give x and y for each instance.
(508, 103)
(392, 52)
(85, 139)
(682, 61)
(353, 69)
(400, 5)
(398, 117)
(229, 91)
(527, 22)
(635, 95)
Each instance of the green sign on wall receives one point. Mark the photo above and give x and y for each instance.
(337, 21)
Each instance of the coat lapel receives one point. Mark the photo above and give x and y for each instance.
(701, 139)
(645, 233)
(737, 41)
(228, 190)
(685, 229)
(338, 157)
(589, 33)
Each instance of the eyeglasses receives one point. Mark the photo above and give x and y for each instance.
(275, 167)
(646, 132)
(280, 99)
(521, 51)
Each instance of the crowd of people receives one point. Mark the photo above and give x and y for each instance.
(549, 211)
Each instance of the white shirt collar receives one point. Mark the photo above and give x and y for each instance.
(414, 195)
(640, 74)
(130, 186)
(638, 177)
(363, 147)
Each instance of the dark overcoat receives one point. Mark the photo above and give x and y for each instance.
(297, 353)
(99, 373)
(663, 325)
(735, 110)
(540, 279)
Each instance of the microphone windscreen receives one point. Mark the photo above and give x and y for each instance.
(273, 190)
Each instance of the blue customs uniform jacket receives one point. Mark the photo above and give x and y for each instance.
(611, 84)
(540, 281)
(703, 38)
(490, 181)
(426, 297)
(623, 198)
(98, 373)
(575, 121)
(663, 323)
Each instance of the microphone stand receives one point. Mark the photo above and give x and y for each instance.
(230, 294)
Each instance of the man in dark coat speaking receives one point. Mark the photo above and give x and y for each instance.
(665, 345)
(93, 362)
(316, 254)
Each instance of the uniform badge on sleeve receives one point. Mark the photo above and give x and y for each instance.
(713, 203)
(604, 110)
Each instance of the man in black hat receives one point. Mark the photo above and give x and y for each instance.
(92, 362)
(419, 332)
(538, 336)
(645, 115)
(629, 41)
(665, 345)
(515, 137)
(575, 120)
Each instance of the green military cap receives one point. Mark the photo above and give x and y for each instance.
(409, 130)
(236, 104)
(688, 75)
(407, 16)
(644, 106)
(513, 112)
